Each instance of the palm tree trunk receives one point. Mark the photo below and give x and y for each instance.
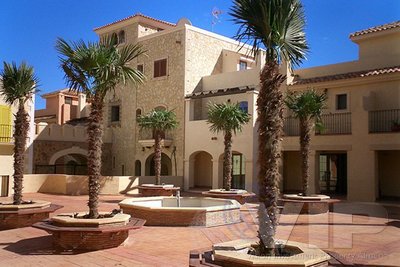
(95, 142)
(157, 156)
(305, 137)
(20, 134)
(270, 119)
(228, 161)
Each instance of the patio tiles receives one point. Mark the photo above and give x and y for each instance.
(372, 241)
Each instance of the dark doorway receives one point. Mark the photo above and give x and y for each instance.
(333, 173)
(238, 171)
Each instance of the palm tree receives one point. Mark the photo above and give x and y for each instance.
(19, 85)
(159, 121)
(307, 106)
(278, 27)
(95, 69)
(229, 119)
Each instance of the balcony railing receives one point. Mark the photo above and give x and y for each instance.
(383, 121)
(336, 123)
(291, 126)
(146, 139)
(5, 133)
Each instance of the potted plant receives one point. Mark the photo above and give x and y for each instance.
(228, 119)
(158, 121)
(95, 69)
(19, 85)
(396, 125)
(278, 27)
(307, 106)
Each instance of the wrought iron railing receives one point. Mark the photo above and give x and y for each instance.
(148, 135)
(291, 126)
(5, 133)
(335, 123)
(383, 121)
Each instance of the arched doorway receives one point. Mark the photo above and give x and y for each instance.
(202, 169)
(238, 170)
(166, 165)
(71, 164)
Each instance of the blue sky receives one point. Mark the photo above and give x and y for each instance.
(30, 28)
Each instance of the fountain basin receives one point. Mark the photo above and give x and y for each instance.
(194, 211)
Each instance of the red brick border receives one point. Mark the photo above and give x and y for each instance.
(89, 238)
(241, 198)
(25, 217)
(146, 191)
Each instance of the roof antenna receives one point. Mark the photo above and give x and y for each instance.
(215, 17)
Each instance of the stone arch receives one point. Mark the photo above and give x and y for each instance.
(201, 169)
(166, 165)
(64, 152)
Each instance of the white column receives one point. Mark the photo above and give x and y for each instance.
(215, 174)
(249, 179)
(314, 172)
(81, 105)
(186, 175)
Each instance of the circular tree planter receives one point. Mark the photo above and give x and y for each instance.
(23, 215)
(313, 204)
(241, 196)
(79, 233)
(152, 190)
(235, 254)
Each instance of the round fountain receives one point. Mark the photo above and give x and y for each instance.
(183, 211)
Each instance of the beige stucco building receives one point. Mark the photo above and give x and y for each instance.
(62, 106)
(187, 67)
(178, 57)
(7, 143)
(358, 154)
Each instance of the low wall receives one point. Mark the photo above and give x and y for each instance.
(78, 185)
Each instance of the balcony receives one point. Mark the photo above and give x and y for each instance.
(6, 133)
(334, 124)
(384, 121)
(146, 139)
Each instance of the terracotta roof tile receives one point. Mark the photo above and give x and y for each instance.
(379, 28)
(348, 75)
(136, 15)
(218, 92)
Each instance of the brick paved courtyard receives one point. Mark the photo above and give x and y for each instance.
(354, 239)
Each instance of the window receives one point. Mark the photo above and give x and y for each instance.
(138, 113)
(121, 37)
(115, 113)
(244, 106)
(160, 68)
(242, 65)
(114, 38)
(341, 102)
(68, 100)
(140, 68)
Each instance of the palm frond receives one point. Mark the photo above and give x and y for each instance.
(96, 68)
(307, 104)
(274, 25)
(162, 120)
(226, 117)
(19, 82)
